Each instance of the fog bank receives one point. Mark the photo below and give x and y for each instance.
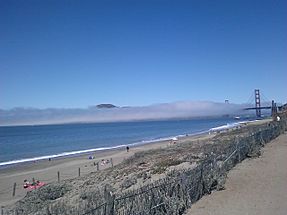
(184, 109)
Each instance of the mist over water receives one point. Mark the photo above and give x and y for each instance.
(183, 109)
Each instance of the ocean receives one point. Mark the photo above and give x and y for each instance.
(20, 144)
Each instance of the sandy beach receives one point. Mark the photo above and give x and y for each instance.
(68, 167)
(47, 171)
(255, 186)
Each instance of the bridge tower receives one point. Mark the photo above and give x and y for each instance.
(257, 103)
(274, 110)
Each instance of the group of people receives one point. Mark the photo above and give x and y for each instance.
(104, 162)
(35, 184)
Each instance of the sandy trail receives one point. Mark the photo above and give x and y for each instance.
(254, 187)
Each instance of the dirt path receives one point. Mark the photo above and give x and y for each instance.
(254, 187)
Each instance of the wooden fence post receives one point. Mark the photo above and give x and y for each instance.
(112, 162)
(14, 189)
(58, 176)
(238, 149)
(79, 171)
(110, 201)
(2, 210)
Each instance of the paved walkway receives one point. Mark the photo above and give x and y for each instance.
(254, 187)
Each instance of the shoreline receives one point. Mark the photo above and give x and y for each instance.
(78, 153)
(68, 167)
(85, 152)
(99, 154)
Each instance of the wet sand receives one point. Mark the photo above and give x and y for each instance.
(254, 187)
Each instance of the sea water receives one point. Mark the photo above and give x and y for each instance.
(20, 144)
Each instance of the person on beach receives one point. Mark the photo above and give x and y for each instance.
(34, 183)
(128, 148)
(26, 184)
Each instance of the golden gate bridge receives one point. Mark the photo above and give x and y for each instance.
(258, 106)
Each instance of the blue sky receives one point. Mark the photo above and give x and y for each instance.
(75, 54)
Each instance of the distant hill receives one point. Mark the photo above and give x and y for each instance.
(106, 106)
